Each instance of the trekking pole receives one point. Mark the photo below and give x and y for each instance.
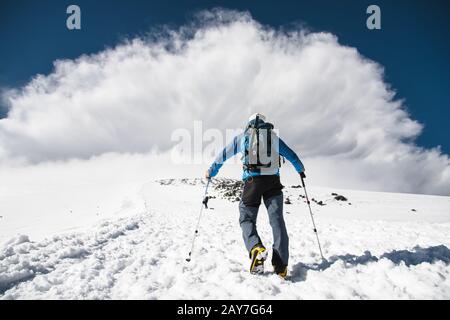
(312, 219)
(205, 203)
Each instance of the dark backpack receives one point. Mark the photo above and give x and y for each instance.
(259, 147)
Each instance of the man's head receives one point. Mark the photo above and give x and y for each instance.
(259, 115)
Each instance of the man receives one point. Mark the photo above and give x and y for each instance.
(261, 149)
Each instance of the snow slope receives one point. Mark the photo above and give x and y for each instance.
(377, 247)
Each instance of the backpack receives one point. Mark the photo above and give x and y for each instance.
(260, 146)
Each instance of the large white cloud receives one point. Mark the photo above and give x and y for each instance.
(330, 103)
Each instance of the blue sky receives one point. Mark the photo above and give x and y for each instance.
(413, 44)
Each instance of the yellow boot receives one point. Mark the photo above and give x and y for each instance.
(281, 273)
(278, 266)
(258, 255)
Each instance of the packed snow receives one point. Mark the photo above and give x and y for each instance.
(377, 246)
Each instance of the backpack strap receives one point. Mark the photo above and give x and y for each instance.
(257, 139)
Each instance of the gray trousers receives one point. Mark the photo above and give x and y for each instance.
(247, 220)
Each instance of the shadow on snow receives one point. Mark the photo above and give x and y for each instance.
(410, 258)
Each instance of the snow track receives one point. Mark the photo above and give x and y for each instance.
(143, 256)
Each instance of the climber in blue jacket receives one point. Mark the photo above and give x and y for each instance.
(261, 152)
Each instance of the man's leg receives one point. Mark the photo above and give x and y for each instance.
(248, 209)
(248, 212)
(247, 220)
(274, 207)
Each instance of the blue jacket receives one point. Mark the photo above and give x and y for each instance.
(237, 145)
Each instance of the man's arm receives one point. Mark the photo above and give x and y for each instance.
(230, 150)
(287, 152)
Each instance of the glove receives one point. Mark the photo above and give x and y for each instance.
(302, 175)
(207, 174)
(205, 202)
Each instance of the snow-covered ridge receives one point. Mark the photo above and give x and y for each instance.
(231, 189)
(377, 247)
(223, 188)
